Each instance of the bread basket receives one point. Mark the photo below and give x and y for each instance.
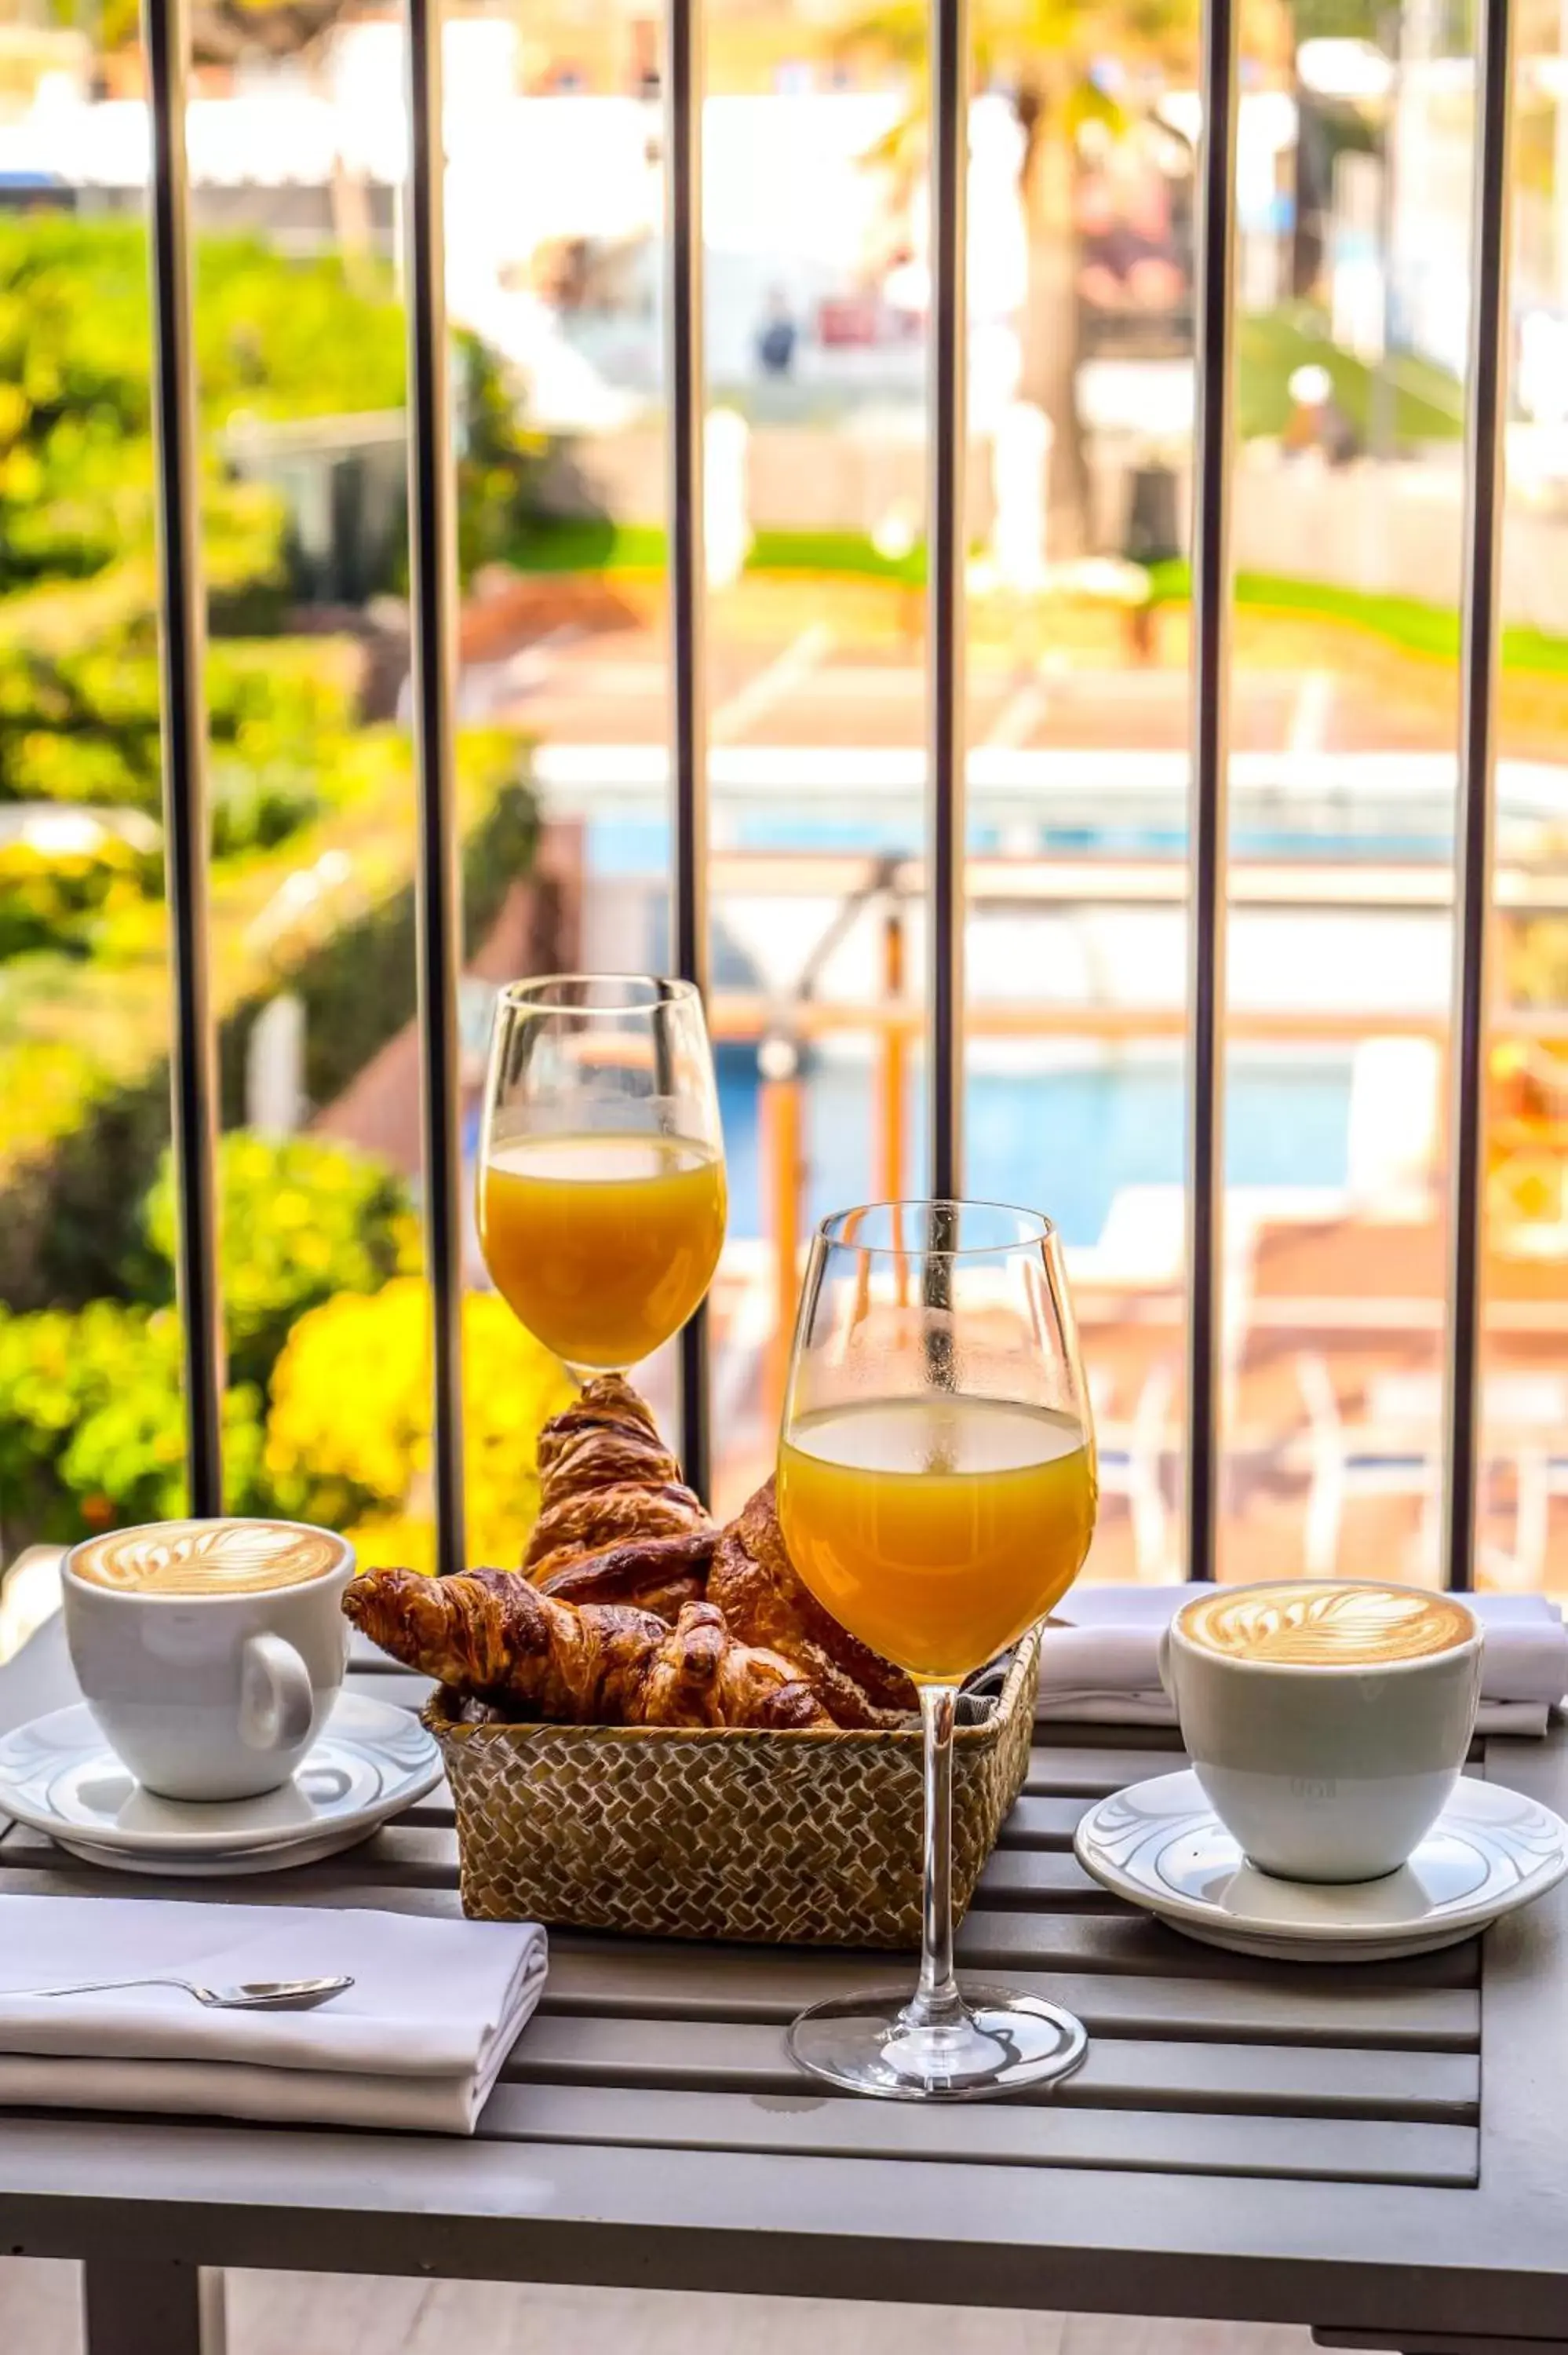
(665, 1832)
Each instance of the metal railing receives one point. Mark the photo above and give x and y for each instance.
(432, 532)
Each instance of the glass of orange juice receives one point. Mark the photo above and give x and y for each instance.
(601, 1178)
(936, 1489)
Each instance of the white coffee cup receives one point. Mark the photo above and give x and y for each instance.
(216, 1694)
(1332, 1769)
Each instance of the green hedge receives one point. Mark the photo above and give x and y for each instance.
(71, 1211)
(92, 1418)
(92, 1427)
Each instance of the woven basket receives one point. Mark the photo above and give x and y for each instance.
(789, 1839)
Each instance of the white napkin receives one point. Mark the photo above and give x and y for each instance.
(418, 2040)
(1099, 1660)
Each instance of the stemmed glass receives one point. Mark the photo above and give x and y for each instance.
(936, 1489)
(601, 1178)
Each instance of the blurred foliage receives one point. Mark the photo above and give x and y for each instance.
(498, 463)
(278, 339)
(312, 890)
(78, 664)
(54, 892)
(91, 1419)
(348, 1440)
(357, 983)
(329, 917)
(275, 337)
(92, 1422)
(299, 1220)
(80, 725)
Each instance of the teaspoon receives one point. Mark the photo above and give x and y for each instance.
(251, 1995)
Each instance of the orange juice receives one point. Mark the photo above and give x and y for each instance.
(937, 1528)
(603, 1245)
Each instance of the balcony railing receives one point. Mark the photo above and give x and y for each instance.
(432, 526)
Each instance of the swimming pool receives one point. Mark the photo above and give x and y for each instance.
(1066, 1139)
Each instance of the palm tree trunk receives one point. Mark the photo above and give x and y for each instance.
(1051, 319)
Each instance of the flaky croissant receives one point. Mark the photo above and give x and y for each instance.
(617, 1524)
(492, 1633)
(764, 1600)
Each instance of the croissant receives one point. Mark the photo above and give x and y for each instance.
(617, 1523)
(764, 1600)
(493, 1633)
(657, 1574)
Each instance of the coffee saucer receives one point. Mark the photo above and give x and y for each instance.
(1160, 1845)
(59, 1776)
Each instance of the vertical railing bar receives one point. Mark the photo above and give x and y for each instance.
(949, 430)
(1485, 485)
(1208, 792)
(432, 544)
(182, 651)
(682, 104)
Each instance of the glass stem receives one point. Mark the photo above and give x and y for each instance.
(936, 2002)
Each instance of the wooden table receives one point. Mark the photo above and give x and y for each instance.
(1382, 2152)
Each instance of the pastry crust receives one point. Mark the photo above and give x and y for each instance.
(632, 1603)
(491, 1634)
(657, 1574)
(607, 1481)
(764, 1601)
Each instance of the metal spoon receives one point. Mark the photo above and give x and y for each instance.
(251, 1995)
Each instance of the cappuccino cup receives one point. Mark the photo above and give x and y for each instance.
(210, 1652)
(1326, 1720)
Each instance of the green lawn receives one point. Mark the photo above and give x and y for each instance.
(1428, 406)
(595, 544)
(1424, 629)
(588, 544)
(1403, 620)
(1428, 403)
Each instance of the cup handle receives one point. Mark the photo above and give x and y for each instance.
(277, 1699)
(1163, 1655)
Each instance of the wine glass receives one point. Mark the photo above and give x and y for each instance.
(937, 1488)
(601, 1176)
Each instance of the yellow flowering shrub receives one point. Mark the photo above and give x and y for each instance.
(303, 1221)
(348, 1440)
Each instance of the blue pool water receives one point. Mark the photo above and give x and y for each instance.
(1065, 1140)
(638, 846)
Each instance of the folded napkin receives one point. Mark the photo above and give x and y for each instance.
(1099, 1660)
(416, 2042)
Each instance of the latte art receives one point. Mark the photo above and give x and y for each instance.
(1326, 1625)
(207, 1558)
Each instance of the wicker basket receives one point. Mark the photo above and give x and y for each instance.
(668, 1833)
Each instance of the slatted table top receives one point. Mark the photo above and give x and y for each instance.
(1371, 2148)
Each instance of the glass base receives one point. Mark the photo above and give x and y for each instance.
(1001, 2041)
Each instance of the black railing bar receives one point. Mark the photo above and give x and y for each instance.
(1479, 655)
(181, 639)
(948, 465)
(432, 548)
(1208, 791)
(682, 104)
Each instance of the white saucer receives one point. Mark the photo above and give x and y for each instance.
(241, 1866)
(59, 1776)
(1161, 1844)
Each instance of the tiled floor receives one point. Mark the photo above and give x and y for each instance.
(318, 2314)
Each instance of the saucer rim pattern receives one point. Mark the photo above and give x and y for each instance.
(1315, 1941)
(1289, 1950)
(358, 1723)
(240, 1864)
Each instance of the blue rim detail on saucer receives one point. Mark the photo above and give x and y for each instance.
(59, 1776)
(1160, 1845)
